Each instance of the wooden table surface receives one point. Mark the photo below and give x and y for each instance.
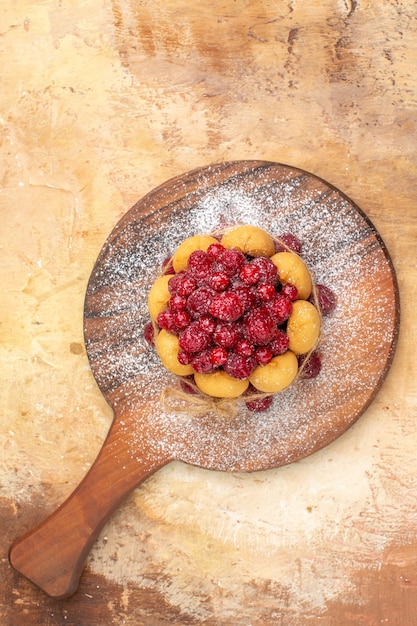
(102, 101)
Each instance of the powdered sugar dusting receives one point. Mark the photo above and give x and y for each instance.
(342, 251)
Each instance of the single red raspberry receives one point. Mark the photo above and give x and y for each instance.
(326, 299)
(280, 308)
(227, 334)
(182, 284)
(245, 347)
(280, 342)
(202, 363)
(148, 333)
(239, 366)
(260, 327)
(266, 291)
(289, 291)
(193, 339)
(246, 296)
(199, 301)
(218, 281)
(226, 306)
(177, 302)
(311, 367)
(268, 271)
(218, 356)
(215, 250)
(207, 323)
(175, 281)
(184, 358)
(291, 241)
(231, 261)
(263, 355)
(165, 320)
(250, 274)
(181, 319)
(199, 264)
(258, 405)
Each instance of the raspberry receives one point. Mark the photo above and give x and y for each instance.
(266, 291)
(184, 358)
(245, 347)
(258, 405)
(199, 301)
(227, 334)
(215, 250)
(326, 299)
(312, 367)
(193, 339)
(291, 241)
(199, 264)
(279, 308)
(280, 343)
(202, 363)
(263, 355)
(182, 284)
(218, 356)
(165, 320)
(177, 302)
(148, 333)
(231, 261)
(246, 296)
(250, 274)
(181, 319)
(260, 326)
(207, 323)
(239, 366)
(289, 291)
(175, 281)
(218, 280)
(226, 306)
(267, 268)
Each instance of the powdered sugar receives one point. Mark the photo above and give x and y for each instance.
(342, 250)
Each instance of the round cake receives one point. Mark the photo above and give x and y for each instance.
(237, 315)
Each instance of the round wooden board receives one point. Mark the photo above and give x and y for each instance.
(343, 250)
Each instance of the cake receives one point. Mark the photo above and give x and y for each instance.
(237, 315)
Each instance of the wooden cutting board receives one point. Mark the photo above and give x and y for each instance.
(342, 249)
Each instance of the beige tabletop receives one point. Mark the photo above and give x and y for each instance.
(101, 101)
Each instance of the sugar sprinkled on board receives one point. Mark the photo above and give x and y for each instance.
(338, 244)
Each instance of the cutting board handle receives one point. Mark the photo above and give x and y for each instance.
(53, 554)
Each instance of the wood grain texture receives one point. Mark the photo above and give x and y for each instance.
(100, 103)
